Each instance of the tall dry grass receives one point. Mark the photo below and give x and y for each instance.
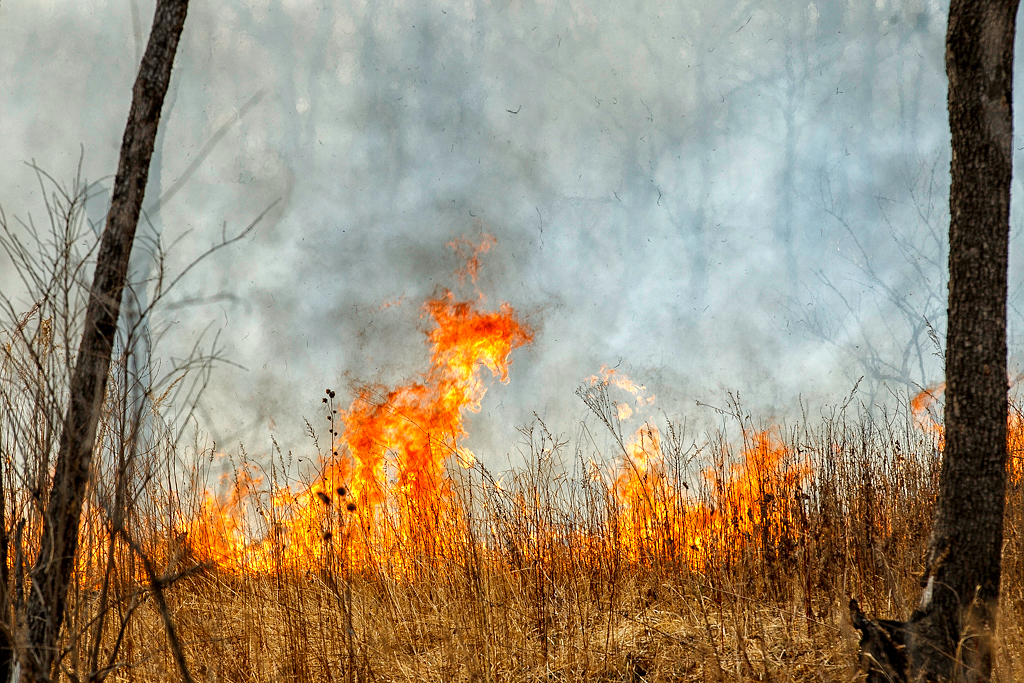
(530, 578)
(542, 573)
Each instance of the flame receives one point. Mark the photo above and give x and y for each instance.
(753, 497)
(927, 419)
(383, 496)
(421, 423)
(746, 503)
(391, 303)
(218, 531)
(470, 252)
(613, 377)
(923, 408)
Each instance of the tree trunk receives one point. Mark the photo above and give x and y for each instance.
(949, 637)
(51, 573)
(953, 625)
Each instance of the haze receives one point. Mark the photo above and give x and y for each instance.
(747, 197)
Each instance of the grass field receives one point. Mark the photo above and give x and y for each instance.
(627, 554)
(712, 562)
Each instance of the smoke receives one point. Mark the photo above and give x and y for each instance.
(748, 197)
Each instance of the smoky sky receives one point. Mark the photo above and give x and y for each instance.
(746, 197)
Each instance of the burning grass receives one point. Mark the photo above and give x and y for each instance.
(547, 576)
(402, 558)
(678, 562)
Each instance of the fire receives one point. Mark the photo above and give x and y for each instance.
(755, 497)
(743, 504)
(219, 531)
(649, 503)
(382, 495)
(470, 251)
(398, 441)
(383, 498)
(926, 417)
(612, 377)
(923, 407)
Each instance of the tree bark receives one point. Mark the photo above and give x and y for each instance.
(953, 625)
(51, 574)
(949, 637)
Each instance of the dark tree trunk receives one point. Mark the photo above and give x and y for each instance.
(51, 573)
(961, 583)
(949, 636)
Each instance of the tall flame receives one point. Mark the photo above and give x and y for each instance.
(416, 428)
(382, 495)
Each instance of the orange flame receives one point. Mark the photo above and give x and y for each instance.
(384, 495)
(470, 251)
(417, 427)
(927, 419)
(747, 503)
(613, 377)
(923, 408)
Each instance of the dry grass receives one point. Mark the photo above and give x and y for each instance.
(538, 585)
(548, 576)
(551, 575)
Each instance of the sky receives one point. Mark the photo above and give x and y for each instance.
(717, 199)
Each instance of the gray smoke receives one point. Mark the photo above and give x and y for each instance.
(744, 197)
